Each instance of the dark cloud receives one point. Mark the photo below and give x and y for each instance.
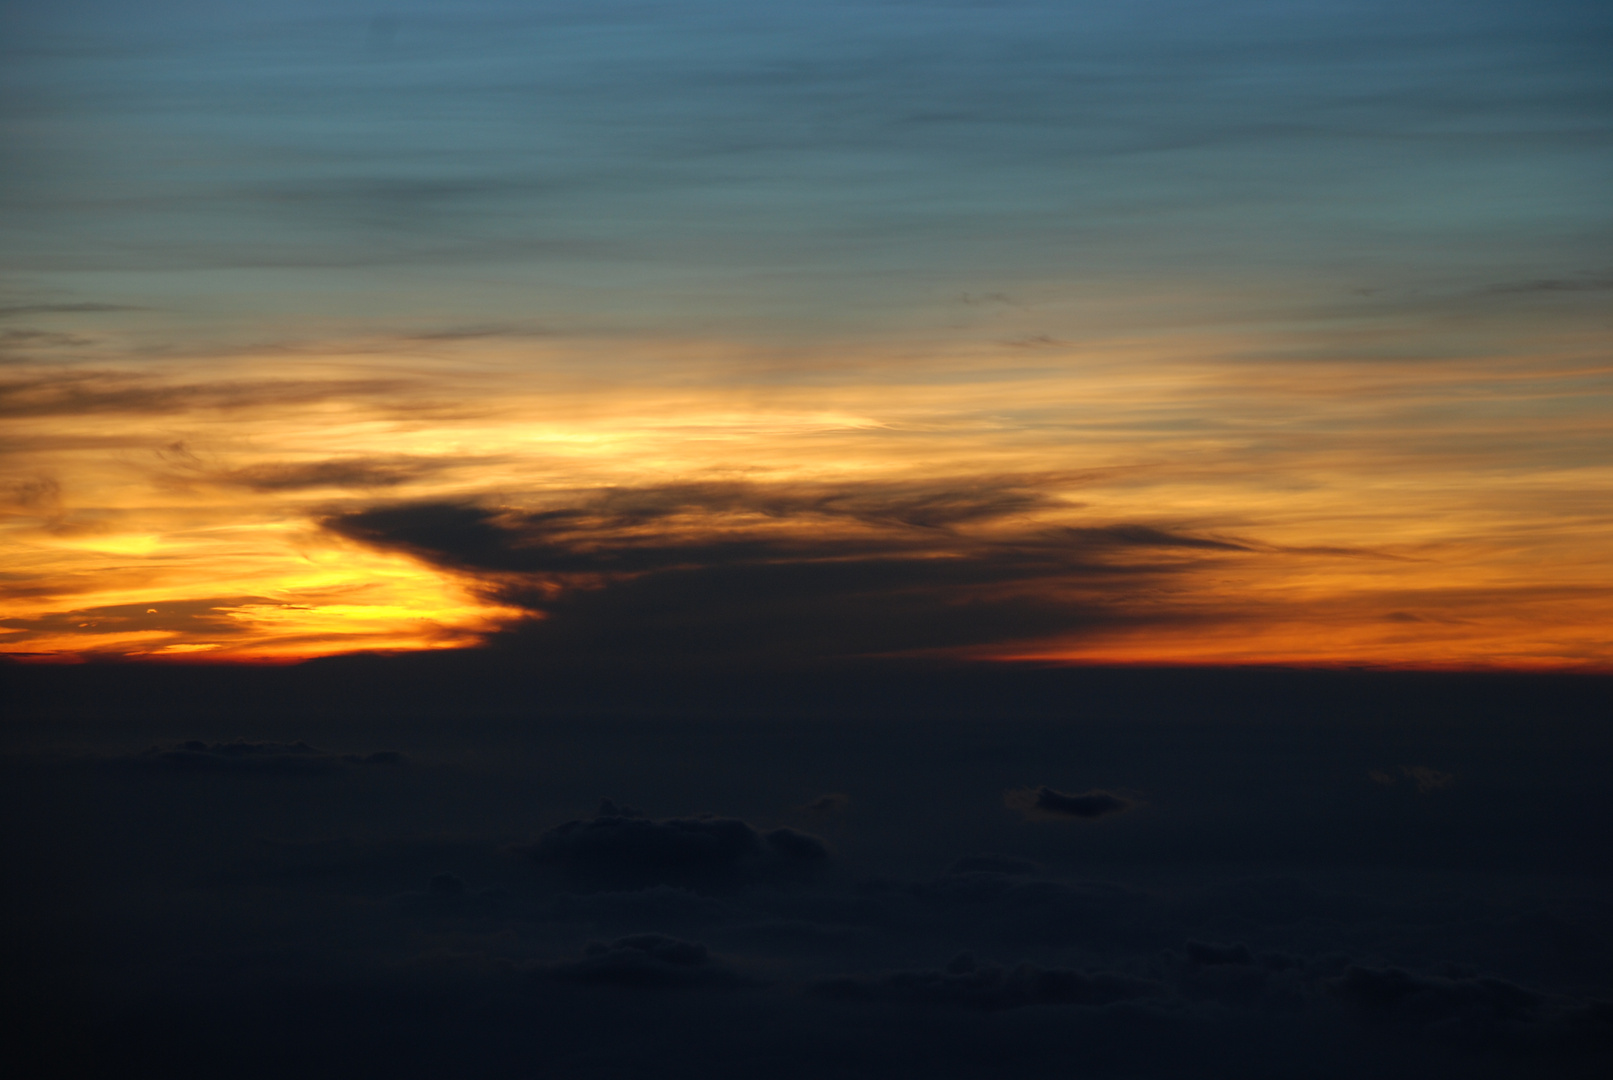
(1470, 1008)
(1014, 908)
(1425, 779)
(820, 599)
(657, 905)
(969, 984)
(809, 937)
(642, 960)
(88, 393)
(385, 919)
(603, 524)
(936, 503)
(1044, 802)
(209, 618)
(744, 569)
(701, 852)
(357, 472)
(796, 846)
(1144, 536)
(834, 802)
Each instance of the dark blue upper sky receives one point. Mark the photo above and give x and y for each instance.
(794, 168)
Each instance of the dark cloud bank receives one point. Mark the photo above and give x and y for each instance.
(1044, 802)
(368, 868)
(625, 849)
(702, 573)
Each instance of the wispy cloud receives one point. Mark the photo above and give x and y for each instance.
(8, 311)
(85, 393)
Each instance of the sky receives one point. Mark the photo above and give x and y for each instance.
(1153, 332)
(897, 540)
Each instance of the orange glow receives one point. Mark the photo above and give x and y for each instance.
(1447, 514)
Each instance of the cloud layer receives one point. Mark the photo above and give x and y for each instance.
(1271, 910)
(743, 569)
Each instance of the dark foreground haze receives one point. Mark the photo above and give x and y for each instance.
(405, 868)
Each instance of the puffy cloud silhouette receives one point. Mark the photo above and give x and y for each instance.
(700, 852)
(377, 915)
(658, 905)
(964, 982)
(1425, 779)
(1044, 802)
(1478, 1007)
(834, 802)
(641, 960)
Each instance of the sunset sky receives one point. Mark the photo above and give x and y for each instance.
(806, 539)
(1156, 332)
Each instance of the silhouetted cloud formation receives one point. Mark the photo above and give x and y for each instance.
(1475, 1009)
(1044, 802)
(1425, 779)
(616, 849)
(833, 802)
(662, 906)
(642, 960)
(1272, 914)
(802, 570)
(964, 982)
